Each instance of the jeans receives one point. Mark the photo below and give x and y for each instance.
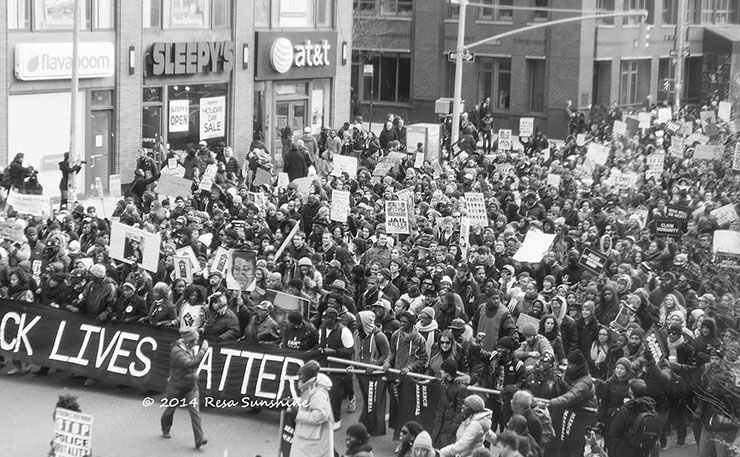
(677, 420)
(183, 398)
(715, 444)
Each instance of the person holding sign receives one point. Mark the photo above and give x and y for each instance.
(182, 384)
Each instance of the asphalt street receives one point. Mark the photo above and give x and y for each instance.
(123, 426)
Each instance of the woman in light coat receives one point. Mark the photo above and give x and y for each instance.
(314, 435)
(472, 431)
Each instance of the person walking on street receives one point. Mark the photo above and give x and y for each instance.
(182, 384)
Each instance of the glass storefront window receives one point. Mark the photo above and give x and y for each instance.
(152, 10)
(19, 14)
(194, 94)
(58, 14)
(186, 13)
(151, 126)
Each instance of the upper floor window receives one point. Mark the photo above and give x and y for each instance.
(670, 11)
(540, 14)
(605, 6)
(718, 11)
(635, 5)
(59, 15)
(403, 8)
(187, 14)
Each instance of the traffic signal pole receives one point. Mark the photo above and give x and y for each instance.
(680, 26)
(461, 48)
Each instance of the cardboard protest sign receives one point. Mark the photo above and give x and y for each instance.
(592, 260)
(408, 197)
(183, 268)
(708, 151)
(303, 186)
(11, 231)
(625, 181)
(677, 147)
(580, 139)
(727, 241)
(339, 205)
(206, 181)
(672, 127)
(174, 186)
(72, 433)
(644, 120)
(696, 138)
(655, 165)
(534, 246)
(419, 160)
(668, 227)
(396, 217)
(132, 245)
(476, 205)
(526, 126)
(345, 164)
(664, 115)
(725, 214)
(221, 261)
(283, 180)
(598, 153)
(525, 319)
(554, 179)
(35, 205)
(707, 118)
(262, 177)
(619, 128)
(464, 241)
(725, 108)
(504, 139)
(382, 168)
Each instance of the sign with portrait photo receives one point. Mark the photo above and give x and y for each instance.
(240, 275)
(183, 268)
(135, 246)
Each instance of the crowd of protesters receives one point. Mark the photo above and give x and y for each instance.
(425, 302)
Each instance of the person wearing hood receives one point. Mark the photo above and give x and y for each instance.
(706, 340)
(550, 329)
(566, 325)
(358, 442)
(618, 433)
(455, 383)
(408, 349)
(473, 429)
(384, 317)
(407, 436)
(422, 446)
(580, 395)
(314, 429)
(588, 327)
(371, 344)
(428, 327)
(533, 347)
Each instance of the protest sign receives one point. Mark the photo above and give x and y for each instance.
(619, 128)
(437, 168)
(667, 227)
(655, 345)
(345, 164)
(664, 115)
(419, 160)
(339, 205)
(476, 205)
(525, 319)
(172, 162)
(644, 120)
(707, 118)
(655, 165)
(114, 185)
(303, 186)
(696, 138)
(293, 231)
(678, 212)
(418, 402)
(262, 177)
(206, 181)
(687, 129)
(183, 268)
(554, 179)
(407, 196)
(11, 231)
(526, 126)
(632, 125)
(35, 205)
(598, 153)
(179, 117)
(727, 263)
(592, 260)
(72, 433)
(464, 241)
(677, 147)
(240, 273)
(396, 217)
(383, 168)
(133, 245)
(534, 246)
(711, 131)
(504, 139)
(580, 139)
(672, 127)
(395, 157)
(283, 180)
(212, 117)
(221, 261)
(139, 355)
(174, 186)
(727, 241)
(736, 157)
(708, 151)
(725, 108)
(187, 251)
(625, 181)
(725, 214)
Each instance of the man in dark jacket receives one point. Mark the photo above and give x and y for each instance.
(222, 325)
(296, 163)
(17, 172)
(182, 384)
(67, 172)
(617, 436)
(299, 334)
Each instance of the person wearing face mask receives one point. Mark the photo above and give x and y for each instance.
(221, 324)
(314, 429)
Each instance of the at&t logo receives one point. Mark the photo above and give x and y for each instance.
(284, 55)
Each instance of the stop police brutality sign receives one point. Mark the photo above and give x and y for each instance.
(212, 117)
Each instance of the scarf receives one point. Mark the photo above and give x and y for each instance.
(428, 332)
(598, 353)
(672, 346)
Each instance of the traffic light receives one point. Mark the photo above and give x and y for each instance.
(643, 40)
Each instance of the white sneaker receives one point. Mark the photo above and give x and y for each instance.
(337, 425)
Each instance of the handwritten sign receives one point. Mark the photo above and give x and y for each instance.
(526, 126)
(11, 231)
(580, 139)
(283, 180)
(504, 139)
(262, 177)
(419, 160)
(725, 214)
(396, 217)
(382, 168)
(655, 165)
(476, 205)
(644, 120)
(339, 205)
(534, 246)
(725, 108)
(35, 205)
(345, 164)
(554, 180)
(708, 151)
(619, 128)
(174, 186)
(664, 115)
(681, 213)
(206, 182)
(598, 153)
(625, 181)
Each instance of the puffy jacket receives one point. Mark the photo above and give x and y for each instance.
(470, 435)
(582, 394)
(313, 429)
(616, 436)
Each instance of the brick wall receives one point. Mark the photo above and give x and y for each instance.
(340, 108)
(128, 95)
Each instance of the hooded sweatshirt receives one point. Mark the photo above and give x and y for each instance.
(470, 435)
(371, 345)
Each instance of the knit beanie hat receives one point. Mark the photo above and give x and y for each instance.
(639, 332)
(428, 311)
(589, 305)
(674, 328)
(475, 403)
(529, 330)
(550, 278)
(310, 369)
(507, 343)
(450, 367)
(423, 441)
(625, 362)
(576, 358)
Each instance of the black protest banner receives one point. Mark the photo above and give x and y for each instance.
(593, 261)
(231, 375)
(420, 401)
(287, 431)
(681, 213)
(668, 227)
(373, 390)
(570, 428)
(728, 263)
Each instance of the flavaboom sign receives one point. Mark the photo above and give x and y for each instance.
(42, 61)
(285, 55)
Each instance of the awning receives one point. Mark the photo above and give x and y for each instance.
(721, 39)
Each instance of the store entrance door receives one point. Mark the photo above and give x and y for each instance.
(98, 165)
(292, 113)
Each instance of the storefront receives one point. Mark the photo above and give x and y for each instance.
(293, 83)
(185, 98)
(39, 110)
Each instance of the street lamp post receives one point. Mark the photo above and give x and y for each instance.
(457, 95)
(680, 20)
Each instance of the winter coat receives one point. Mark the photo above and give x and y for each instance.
(587, 333)
(408, 351)
(314, 435)
(183, 363)
(221, 328)
(582, 394)
(616, 436)
(611, 397)
(470, 435)
(455, 394)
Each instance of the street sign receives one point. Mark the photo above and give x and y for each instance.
(367, 70)
(467, 56)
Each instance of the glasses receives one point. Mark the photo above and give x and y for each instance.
(445, 343)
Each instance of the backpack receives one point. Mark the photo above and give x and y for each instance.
(5, 179)
(643, 431)
(543, 416)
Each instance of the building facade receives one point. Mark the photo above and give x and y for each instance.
(401, 64)
(167, 73)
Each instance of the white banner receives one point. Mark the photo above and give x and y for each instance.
(133, 245)
(725, 214)
(174, 186)
(35, 205)
(396, 217)
(726, 241)
(476, 205)
(526, 126)
(339, 205)
(534, 246)
(345, 164)
(179, 118)
(212, 117)
(554, 180)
